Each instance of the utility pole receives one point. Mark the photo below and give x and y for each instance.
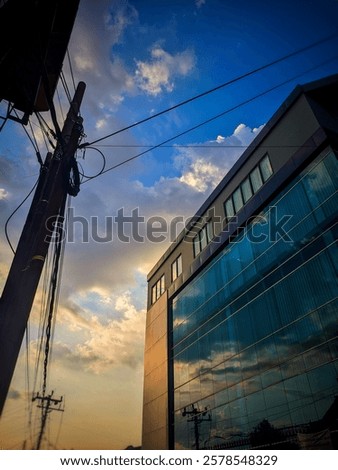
(197, 417)
(24, 275)
(45, 405)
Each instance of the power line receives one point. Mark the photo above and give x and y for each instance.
(65, 87)
(213, 118)
(71, 69)
(60, 105)
(46, 130)
(32, 139)
(200, 95)
(198, 146)
(103, 164)
(14, 212)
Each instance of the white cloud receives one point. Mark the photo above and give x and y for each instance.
(100, 124)
(83, 62)
(203, 168)
(101, 66)
(201, 175)
(3, 194)
(98, 28)
(121, 14)
(159, 72)
(118, 342)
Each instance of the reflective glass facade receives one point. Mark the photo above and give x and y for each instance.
(253, 348)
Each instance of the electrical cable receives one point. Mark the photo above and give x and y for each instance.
(71, 69)
(32, 140)
(35, 144)
(60, 105)
(218, 87)
(103, 165)
(60, 425)
(198, 146)
(50, 314)
(65, 87)
(14, 212)
(213, 118)
(53, 291)
(5, 118)
(42, 326)
(27, 375)
(61, 237)
(46, 128)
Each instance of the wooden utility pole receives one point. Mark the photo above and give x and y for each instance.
(24, 275)
(46, 408)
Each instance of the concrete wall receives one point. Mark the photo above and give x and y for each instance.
(155, 399)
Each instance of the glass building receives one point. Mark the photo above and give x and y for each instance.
(254, 334)
(241, 347)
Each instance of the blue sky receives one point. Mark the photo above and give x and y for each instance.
(217, 41)
(138, 58)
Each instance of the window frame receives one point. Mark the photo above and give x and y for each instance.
(255, 175)
(203, 237)
(158, 289)
(228, 217)
(266, 157)
(247, 179)
(238, 190)
(256, 168)
(176, 268)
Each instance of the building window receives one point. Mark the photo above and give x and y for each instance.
(266, 168)
(204, 236)
(157, 289)
(246, 190)
(229, 208)
(256, 179)
(238, 199)
(197, 248)
(258, 176)
(176, 268)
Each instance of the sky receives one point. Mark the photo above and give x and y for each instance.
(139, 58)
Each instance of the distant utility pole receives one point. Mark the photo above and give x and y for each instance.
(24, 275)
(197, 417)
(45, 405)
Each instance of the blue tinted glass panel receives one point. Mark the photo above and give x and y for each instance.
(254, 334)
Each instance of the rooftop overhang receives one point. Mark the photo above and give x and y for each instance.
(34, 36)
